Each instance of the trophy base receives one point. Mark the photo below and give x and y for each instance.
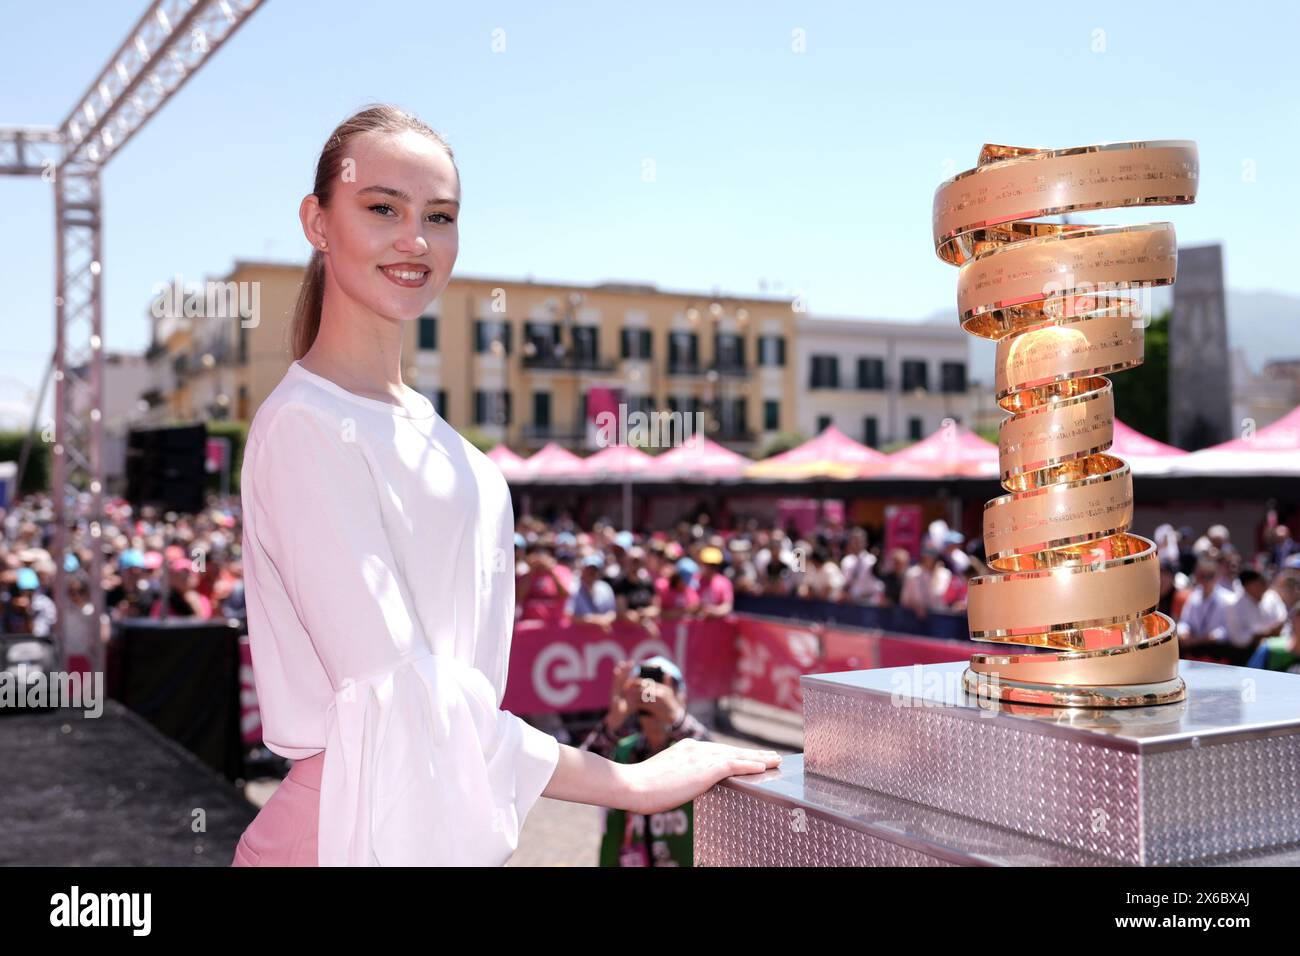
(1065, 695)
(905, 766)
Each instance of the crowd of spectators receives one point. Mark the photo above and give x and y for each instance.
(603, 574)
(1248, 609)
(1245, 611)
(153, 565)
(157, 564)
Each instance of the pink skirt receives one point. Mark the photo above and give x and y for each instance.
(284, 831)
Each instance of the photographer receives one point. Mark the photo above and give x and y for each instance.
(647, 714)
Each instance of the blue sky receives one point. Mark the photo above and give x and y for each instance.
(811, 169)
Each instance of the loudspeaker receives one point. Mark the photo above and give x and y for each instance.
(182, 675)
(165, 467)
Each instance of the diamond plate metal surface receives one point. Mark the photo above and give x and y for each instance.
(1044, 787)
(1222, 799)
(733, 829)
(1216, 775)
(787, 817)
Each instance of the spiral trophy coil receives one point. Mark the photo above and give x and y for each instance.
(1067, 575)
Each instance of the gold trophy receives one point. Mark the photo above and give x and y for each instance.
(1067, 575)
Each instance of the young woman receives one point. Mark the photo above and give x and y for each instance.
(378, 555)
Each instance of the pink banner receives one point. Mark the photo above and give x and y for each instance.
(903, 529)
(563, 667)
(774, 655)
(250, 715)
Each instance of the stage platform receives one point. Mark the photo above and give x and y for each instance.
(110, 791)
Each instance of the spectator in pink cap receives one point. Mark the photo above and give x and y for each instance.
(183, 597)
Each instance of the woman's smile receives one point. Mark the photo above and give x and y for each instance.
(408, 275)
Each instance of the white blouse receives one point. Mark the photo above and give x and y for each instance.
(379, 569)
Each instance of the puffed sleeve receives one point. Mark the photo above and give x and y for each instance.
(422, 767)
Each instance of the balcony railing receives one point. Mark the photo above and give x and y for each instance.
(730, 369)
(555, 431)
(567, 363)
(738, 435)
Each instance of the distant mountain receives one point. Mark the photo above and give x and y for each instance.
(1263, 325)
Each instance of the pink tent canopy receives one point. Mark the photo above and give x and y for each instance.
(509, 463)
(551, 462)
(1131, 443)
(832, 454)
(952, 451)
(1282, 436)
(700, 458)
(1272, 450)
(1145, 455)
(618, 463)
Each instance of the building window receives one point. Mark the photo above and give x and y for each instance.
(915, 375)
(771, 350)
(952, 377)
(771, 414)
(915, 430)
(428, 332)
(871, 373)
(732, 419)
(441, 402)
(636, 344)
(823, 423)
(486, 332)
(542, 340)
(871, 432)
(491, 408)
(542, 410)
(728, 350)
(825, 371)
(683, 351)
(586, 343)
(681, 420)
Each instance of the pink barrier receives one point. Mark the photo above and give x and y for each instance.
(250, 717)
(562, 667)
(566, 667)
(774, 655)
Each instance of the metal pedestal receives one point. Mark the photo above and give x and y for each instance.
(903, 767)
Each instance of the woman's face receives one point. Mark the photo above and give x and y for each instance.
(393, 210)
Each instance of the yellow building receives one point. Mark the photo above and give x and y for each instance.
(515, 360)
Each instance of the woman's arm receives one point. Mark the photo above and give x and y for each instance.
(670, 778)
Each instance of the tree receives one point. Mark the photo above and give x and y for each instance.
(1142, 393)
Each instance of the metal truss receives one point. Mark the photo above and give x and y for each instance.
(167, 45)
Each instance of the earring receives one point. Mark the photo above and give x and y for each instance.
(324, 245)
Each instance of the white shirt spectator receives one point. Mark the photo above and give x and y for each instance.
(860, 577)
(922, 588)
(1206, 618)
(825, 583)
(1248, 617)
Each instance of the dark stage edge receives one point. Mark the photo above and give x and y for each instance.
(110, 791)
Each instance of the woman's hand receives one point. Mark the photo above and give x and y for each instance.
(688, 769)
